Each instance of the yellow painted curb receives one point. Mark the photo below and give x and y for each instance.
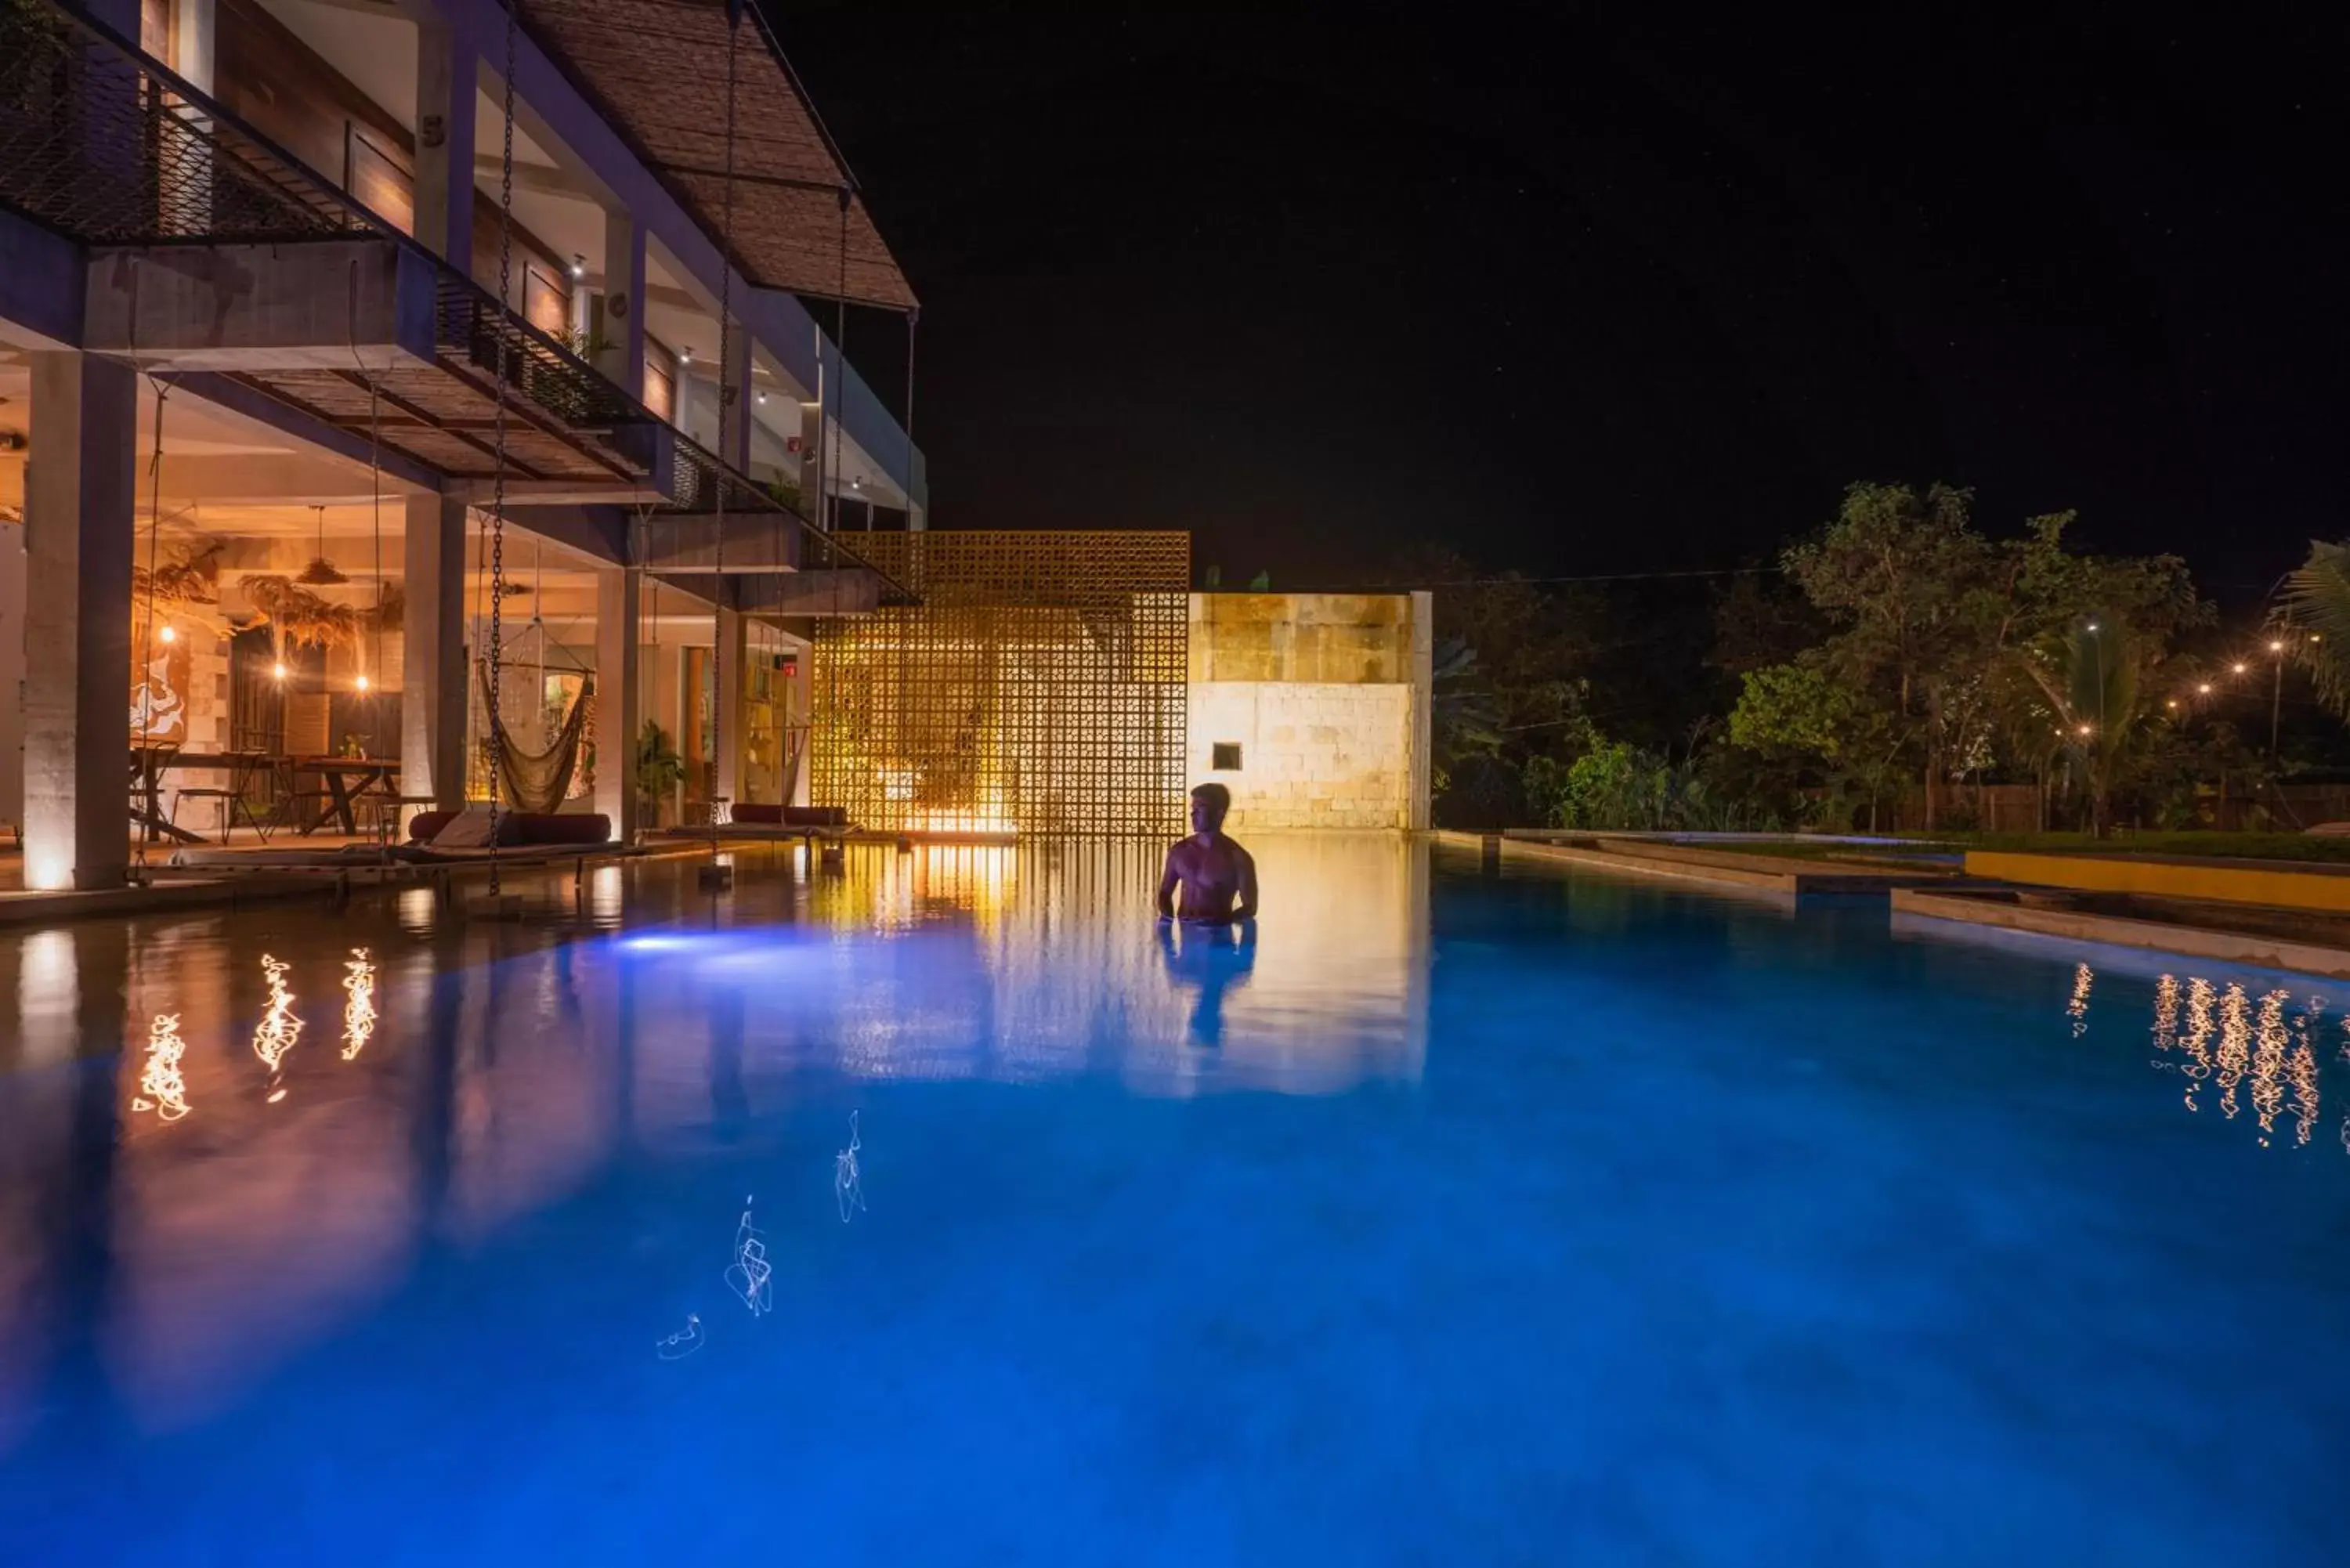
(2264, 883)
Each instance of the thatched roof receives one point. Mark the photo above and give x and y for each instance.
(656, 69)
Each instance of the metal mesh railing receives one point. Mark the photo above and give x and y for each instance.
(1040, 687)
(97, 143)
(540, 369)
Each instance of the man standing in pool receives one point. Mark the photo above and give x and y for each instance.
(1218, 878)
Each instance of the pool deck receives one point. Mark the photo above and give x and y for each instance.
(2264, 914)
(1720, 868)
(170, 888)
(2278, 884)
(2255, 937)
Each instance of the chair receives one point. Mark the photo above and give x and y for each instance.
(233, 798)
(385, 809)
(151, 762)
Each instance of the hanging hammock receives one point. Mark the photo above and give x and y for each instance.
(537, 782)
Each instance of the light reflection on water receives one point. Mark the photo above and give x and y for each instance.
(2215, 1034)
(202, 1197)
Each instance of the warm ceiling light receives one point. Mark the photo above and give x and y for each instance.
(2203, 689)
(2276, 644)
(578, 264)
(685, 356)
(2092, 626)
(762, 397)
(169, 633)
(277, 671)
(361, 683)
(2238, 667)
(2171, 703)
(2085, 729)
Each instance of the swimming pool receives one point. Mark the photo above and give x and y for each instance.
(1462, 1216)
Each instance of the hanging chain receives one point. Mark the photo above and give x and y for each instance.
(720, 806)
(147, 770)
(498, 479)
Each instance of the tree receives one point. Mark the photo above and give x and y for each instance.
(1914, 594)
(2316, 604)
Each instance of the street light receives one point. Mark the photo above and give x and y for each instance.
(2276, 696)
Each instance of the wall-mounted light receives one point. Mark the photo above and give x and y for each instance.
(361, 683)
(277, 671)
(685, 356)
(2276, 644)
(168, 632)
(759, 397)
(579, 266)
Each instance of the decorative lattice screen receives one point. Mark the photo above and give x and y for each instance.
(1038, 687)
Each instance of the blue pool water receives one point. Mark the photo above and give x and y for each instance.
(1460, 1216)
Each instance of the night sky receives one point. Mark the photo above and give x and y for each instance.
(1632, 294)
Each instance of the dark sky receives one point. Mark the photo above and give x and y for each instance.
(1624, 293)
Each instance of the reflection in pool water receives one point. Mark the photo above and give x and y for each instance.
(2274, 1042)
(1537, 1217)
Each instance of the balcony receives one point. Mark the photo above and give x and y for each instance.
(209, 251)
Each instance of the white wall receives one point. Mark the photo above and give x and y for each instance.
(1326, 696)
(1313, 754)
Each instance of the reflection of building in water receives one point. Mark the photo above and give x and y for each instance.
(506, 1069)
(2267, 1049)
(358, 1006)
(2078, 1008)
(280, 1028)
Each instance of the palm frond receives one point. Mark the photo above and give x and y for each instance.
(2317, 601)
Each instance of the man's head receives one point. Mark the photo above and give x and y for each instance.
(1210, 802)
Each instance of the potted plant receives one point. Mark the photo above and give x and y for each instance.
(658, 769)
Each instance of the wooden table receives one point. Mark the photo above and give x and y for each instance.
(148, 766)
(340, 774)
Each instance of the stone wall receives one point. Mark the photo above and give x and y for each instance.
(1325, 697)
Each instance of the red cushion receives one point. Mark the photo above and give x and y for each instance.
(518, 827)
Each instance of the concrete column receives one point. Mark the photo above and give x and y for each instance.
(1421, 740)
(80, 501)
(801, 712)
(734, 401)
(729, 748)
(192, 46)
(622, 358)
(432, 647)
(616, 601)
(664, 682)
(447, 68)
(812, 462)
(12, 674)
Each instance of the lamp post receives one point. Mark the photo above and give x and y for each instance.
(2276, 698)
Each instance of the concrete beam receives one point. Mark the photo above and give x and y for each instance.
(274, 480)
(335, 305)
(262, 409)
(756, 542)
(816, 594)
(42, 279)
(600, 534)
